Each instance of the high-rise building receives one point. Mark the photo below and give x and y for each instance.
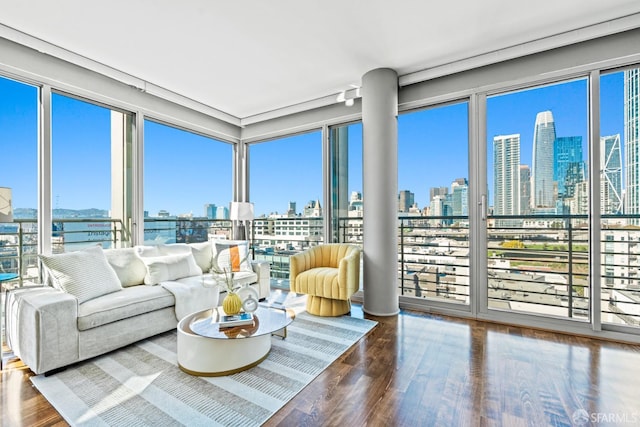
(355, 202)
(632, 142)
(459, 197)
(525, 190)
(437, 191)
(567, 151)
(573, 175)
(210, 211)
(291, 211)
(544, 135)
(222, 212)
(405, 200)
(610, 175)
(440, 207)
(506, 174)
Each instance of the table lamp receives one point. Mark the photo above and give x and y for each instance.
(241, 212)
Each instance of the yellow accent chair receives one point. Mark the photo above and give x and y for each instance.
(328, 274)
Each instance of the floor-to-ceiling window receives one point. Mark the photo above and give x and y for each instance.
(187, 185)
(346, 183)
(89, 145)
(538, 204)
(19, 178)
(619, 197)
(433, 208)
(286, 188)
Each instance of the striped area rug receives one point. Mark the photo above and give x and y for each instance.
(141, 385)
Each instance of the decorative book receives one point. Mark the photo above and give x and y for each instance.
(236, 320)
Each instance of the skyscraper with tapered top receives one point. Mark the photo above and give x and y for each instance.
(544, 135)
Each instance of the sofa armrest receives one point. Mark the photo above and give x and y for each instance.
(42, 327)
(263, 270)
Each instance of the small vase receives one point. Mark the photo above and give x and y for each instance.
(232, 304)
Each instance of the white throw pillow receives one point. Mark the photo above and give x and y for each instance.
(85, 274)
(147, 251)
(231, 254)
(127, 264)
(174, 249)
(203, 254)
(170, 267)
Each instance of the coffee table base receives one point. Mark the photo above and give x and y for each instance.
(203, 356)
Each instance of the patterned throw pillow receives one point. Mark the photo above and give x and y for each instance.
(232, 254)
(85, 274)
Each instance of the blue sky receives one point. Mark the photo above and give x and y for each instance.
(184, 171)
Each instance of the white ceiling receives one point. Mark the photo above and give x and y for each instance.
(254, 56)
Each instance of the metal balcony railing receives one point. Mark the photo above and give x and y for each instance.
(185, 230)
(536, 264)
(539, 264)
(19, 242)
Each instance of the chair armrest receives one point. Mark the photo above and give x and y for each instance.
(263, 270)
(42, 327)
(297, 264)
(349, 273)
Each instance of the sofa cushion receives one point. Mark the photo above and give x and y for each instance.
(231, 255)
(85, 274)
(170, 267)
(203, 253)
(127, 264)
(128, 302)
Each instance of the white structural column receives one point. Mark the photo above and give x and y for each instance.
(380, 191)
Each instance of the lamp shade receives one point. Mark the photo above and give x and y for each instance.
(6, 211)
(241, 211)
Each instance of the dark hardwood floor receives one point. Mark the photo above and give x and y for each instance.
(420, 370)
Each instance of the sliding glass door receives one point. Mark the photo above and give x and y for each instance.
(620, 199)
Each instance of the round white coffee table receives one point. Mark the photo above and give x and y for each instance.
(215, 351)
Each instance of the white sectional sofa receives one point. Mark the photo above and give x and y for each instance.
(101, 300)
